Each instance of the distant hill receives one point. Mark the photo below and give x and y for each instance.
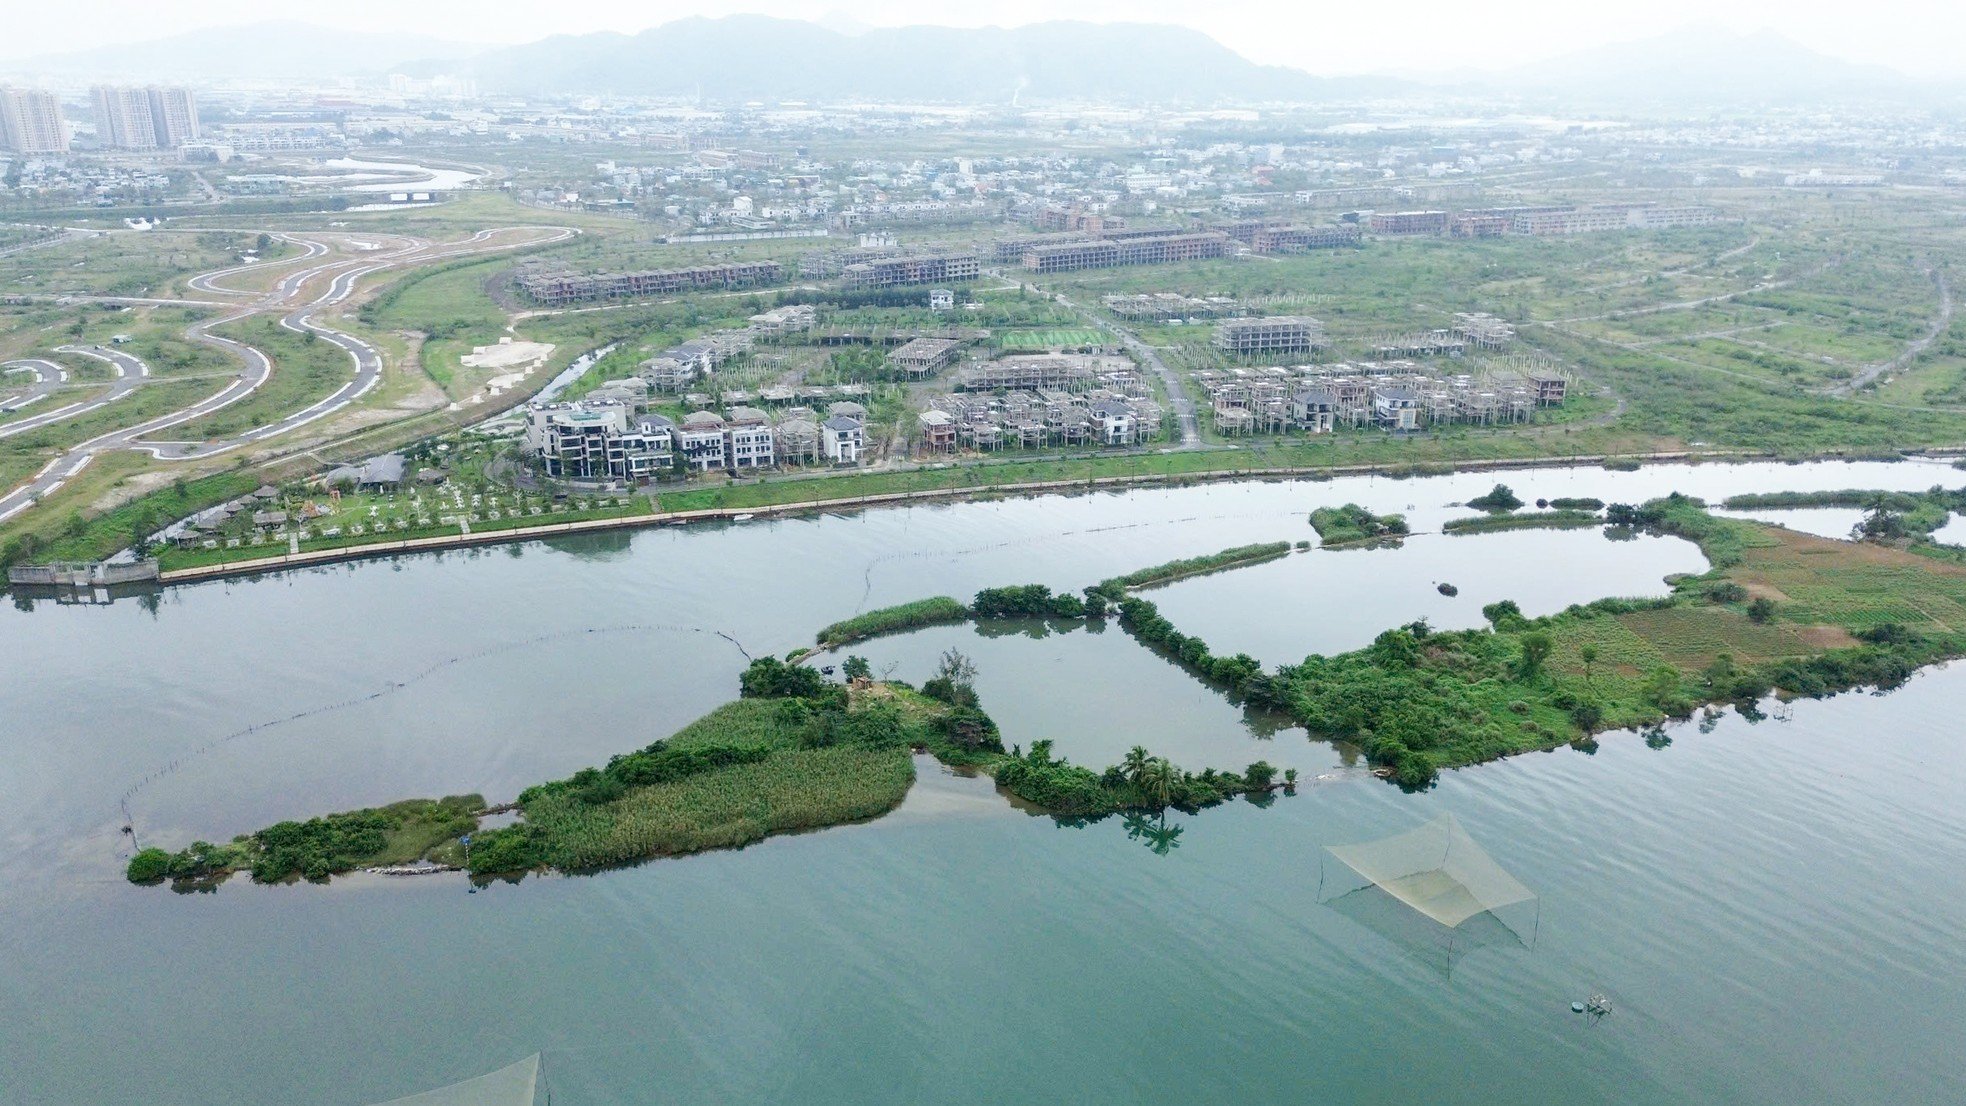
(1707, 65)
(740, 58)
(254, 51)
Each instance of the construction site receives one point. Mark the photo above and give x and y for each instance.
(1115, 407)
(1269, 334)
(920, 268)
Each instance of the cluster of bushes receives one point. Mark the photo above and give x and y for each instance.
(1193, 566)
(1542, 520)
(1352, 523)
(765, 749)
(771, 678)
(1241, 674)
(319, 847)
(1498, 498)
(1143, 782)
(1583, 503)
(888, 620)
(657, 763)
(1026, 601)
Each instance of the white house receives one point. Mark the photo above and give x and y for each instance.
(843, 439)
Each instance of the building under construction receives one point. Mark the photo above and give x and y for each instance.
(922, 357)
(1106, 253)
(1054, 373)
(1482, 330)
(924, 268)
(1417, 343)
(1300, 239)
(1271, 334)
(1074, 217)
(1409, 222)
(1169, 305)
(554, 287)
(1011, 250)
(1390, 395)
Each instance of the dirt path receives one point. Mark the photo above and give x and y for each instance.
(1912, 350)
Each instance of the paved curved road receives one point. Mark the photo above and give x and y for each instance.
(299, 315)
(48, 377)
(208, 282)
(131, 373)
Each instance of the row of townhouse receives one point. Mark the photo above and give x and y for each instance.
(607, 440)
(1391, 395)
(553, 287)
(1034, 419)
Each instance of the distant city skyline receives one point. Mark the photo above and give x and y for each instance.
(1918, 37)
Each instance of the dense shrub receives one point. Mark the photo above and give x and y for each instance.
(771, 678)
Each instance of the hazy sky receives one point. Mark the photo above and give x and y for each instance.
(1918, 36)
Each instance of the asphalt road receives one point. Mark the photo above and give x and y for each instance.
(131, 373)
(299, 314)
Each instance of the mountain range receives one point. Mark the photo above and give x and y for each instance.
(736, 59)
(271, 50)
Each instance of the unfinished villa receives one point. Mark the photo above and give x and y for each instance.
(1038, 419)
(1045, 372)
(922, 268)
(1106, 253)
(608, 440)
(1169, 305)
(1390, 395)
(1271, 334)
(921, 358)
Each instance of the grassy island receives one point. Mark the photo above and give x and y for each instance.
(1351, 524)
(1778, 611)
(1564, 519)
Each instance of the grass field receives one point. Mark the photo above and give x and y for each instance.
(1052, 338)
(306, 369)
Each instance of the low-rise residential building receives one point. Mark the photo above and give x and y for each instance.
(749, 441)
(599, 441)
(702, 444)
(843, 439)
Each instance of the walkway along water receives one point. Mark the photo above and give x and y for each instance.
(728, 514)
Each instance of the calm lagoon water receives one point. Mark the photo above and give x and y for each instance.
(1775, 908)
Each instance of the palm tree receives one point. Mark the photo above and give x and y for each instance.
(1135, 764)
(1158, 782)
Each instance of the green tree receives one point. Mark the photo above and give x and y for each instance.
(857, 668)
(1499, 498)
(1135, 764)
(1536, 647)
(1589, 655)
(149, 866)
(1160, 781)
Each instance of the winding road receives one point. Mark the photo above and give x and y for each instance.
(131, 373)
(298, 313)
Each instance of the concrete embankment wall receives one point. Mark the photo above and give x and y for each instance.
(84, 575)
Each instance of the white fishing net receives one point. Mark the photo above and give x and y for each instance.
(512, 1085)
(1439, 871)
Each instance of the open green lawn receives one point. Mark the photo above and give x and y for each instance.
(1052, 338)
(306, 369)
